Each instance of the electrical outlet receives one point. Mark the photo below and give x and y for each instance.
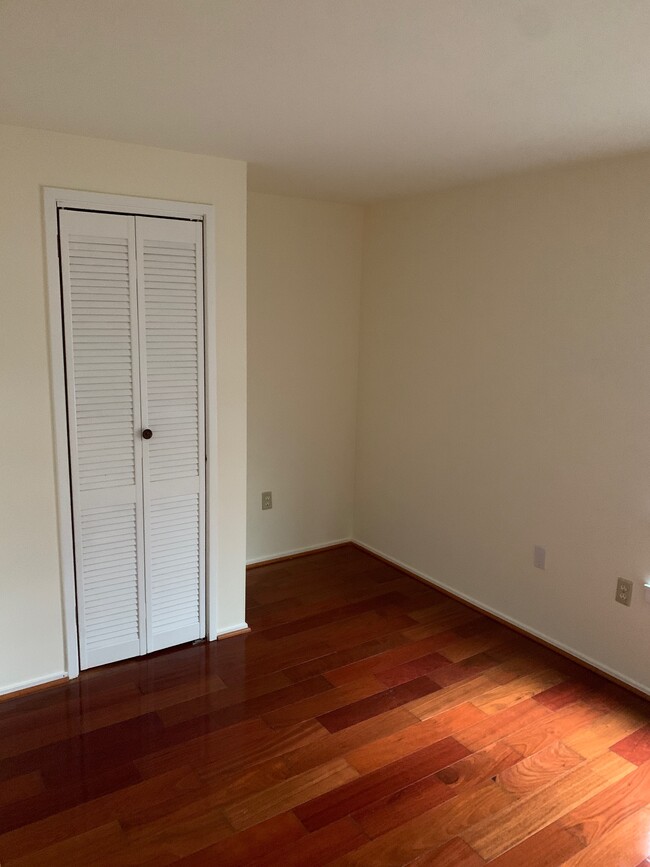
(624, 591)
(267, 500)
(539, 557)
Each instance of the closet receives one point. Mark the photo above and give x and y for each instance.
(132, 303)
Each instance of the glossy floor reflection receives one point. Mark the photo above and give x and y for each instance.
(367, 719)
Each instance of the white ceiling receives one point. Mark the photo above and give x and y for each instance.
(341, 99)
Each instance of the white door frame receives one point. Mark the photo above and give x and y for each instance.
(53, 199)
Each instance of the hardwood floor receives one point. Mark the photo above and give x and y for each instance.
(365, 720)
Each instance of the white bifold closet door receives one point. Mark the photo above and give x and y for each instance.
(132, 290)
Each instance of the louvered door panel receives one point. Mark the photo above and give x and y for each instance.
(170, 299)
(109, 562)
(174, 527)
(101, 335)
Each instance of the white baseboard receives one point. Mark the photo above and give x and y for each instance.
(595, 663)
(226, 630)
(36, 681)
(294, 551)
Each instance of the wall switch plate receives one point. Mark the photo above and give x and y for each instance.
(267, 500)
(624, 591)
(539, 557)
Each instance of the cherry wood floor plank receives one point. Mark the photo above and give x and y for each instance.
(227, 745)
(52, 704)
(470, 646)
(367, 707)
(342, 742)
(276, 584)
(546, 848)
(179, 833)
(170, 789)
(635, 747)
(247, 749)
(217, 788)
(362, 627)
(325, 702)
(289, 794)
(611, 767)
(511, 693)
(273, 745)
(438, 609)
(321, 847)
(228, 715)
(393, 810)
(599, 814)
(251, 846)
(63, 703)
(324, 594)
(515, 660)
(464, 669)
(625, 845)
(332, 615)
(405, 741)
(604, 732)
(366, 719)
(341, 658)
(233, 695)
(451, 620)
(503, 723)
(318, 599)
(62, 796)
(534, 737)
(539, 770)
(397, 656)
(564, 693)
(76, 720)
(341, 634)
(237, 666)
(410, 670)
(430, 830)
(455, 853)
(376, 785)
(471, 689)
(526, 816)
(480, 766)
(21, 787)
(103, 846)
(88, 754)
(273, 614)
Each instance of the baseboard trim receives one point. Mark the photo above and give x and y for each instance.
(26, 687)
(297, 552)
(231, 632)
(527, 631)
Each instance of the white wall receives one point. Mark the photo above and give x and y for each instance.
(31, 637)
(505, 399)
(304, 270)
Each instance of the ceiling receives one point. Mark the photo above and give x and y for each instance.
(350, 100)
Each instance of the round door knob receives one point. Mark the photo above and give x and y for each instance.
(147, 434)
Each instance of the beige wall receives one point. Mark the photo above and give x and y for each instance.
(31, 638)
(505, 399)
(304, 268)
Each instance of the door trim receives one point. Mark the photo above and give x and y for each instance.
(53, 200)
